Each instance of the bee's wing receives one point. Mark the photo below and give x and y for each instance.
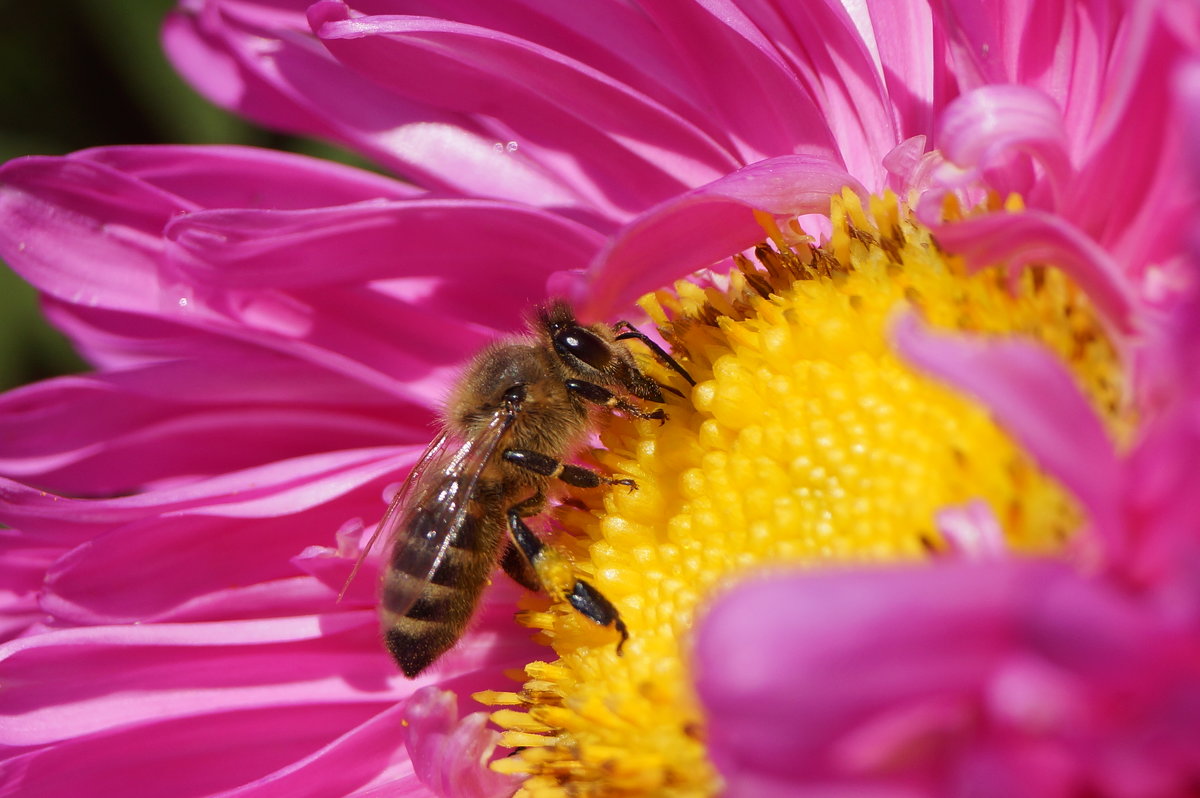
(434, 452)
(425, 521)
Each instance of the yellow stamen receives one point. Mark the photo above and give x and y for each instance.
(806, 441)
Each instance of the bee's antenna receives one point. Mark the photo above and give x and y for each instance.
(659, 352)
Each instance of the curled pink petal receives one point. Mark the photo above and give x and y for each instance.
(903, 161)
(450, 753)
(1030, 237)
(701, 226)
(1032, 395)
(985, 127)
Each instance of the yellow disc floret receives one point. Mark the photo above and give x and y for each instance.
(806, 441)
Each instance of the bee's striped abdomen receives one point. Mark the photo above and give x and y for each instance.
(417, 633)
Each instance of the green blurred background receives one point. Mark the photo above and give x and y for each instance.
(85, 73)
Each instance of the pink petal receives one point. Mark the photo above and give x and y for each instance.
(701, 227)
(111, 433)
(65, 684)
(359, 762)
(25, 561)
(1032, 237)
(73, 683)
(609, 36)
(337, 245)
(1186, 84)
(85, 232)
(265, 491)
(246, 752)
(841, 69)
(921, 676)
(1061, 50)
(752, 90)
(987, 127)
(450, 755)
(816, 656)
(1036, 400)
(913, 62)
(92, 236)
(260, 65)
(1160, 473)
(113, 339)
(1132, 150)
(247, 177)
(638, 152)
(187, 570)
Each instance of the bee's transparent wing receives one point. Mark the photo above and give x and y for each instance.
(425, 522)
(435, 451)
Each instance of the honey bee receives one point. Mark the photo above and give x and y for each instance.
(522, 407)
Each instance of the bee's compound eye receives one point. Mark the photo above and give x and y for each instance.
(585, 345)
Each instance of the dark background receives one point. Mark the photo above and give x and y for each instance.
(84, 73)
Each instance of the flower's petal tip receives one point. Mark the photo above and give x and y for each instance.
(346, 570)
(989, 127)
(972, 531)
(450, 754)
(905, 158)
(324, 11)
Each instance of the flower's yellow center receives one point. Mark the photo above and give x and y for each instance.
(806, 441)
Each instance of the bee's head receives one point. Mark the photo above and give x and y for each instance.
(592, 353)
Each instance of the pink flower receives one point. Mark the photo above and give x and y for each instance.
(272, 336)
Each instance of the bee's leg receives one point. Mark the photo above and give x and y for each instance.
(557, 576)
(599, 395)
(513, 561)
(663, 357)
(516, 566)
(573, 475)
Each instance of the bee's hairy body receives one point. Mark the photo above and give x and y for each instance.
(522, 407)
(551, 423)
